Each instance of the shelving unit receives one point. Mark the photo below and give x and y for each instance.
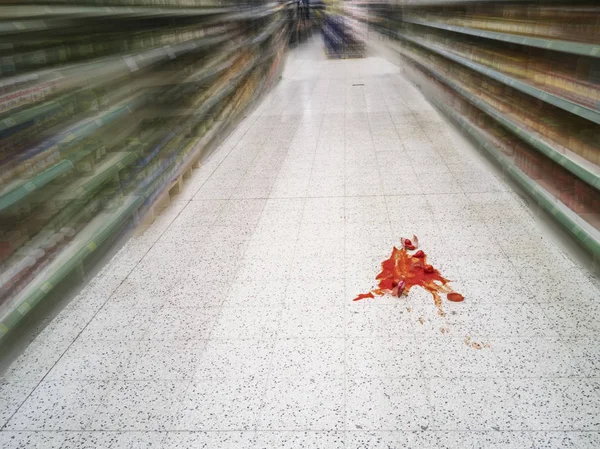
(575, 48)
(522, 80)
(90, 142)
(586, 234)
(343, 35)
(586, 171)
(548, 97)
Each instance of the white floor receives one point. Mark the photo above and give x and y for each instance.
(230, 323)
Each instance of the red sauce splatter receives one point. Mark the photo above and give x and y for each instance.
(401, 266)
(363, 296)
(419, 254)
(455, 297)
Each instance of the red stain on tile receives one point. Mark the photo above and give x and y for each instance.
(402, 271)
(363, 296)
(455, 297)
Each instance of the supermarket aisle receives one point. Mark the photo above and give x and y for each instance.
(230, 322)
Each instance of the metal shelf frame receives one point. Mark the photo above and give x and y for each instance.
(587, 172)
(576, 48)
(553, 99)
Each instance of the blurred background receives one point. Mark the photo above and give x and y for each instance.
(106, 106)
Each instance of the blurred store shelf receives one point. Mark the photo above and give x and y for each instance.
(521, 79)
(104, 106)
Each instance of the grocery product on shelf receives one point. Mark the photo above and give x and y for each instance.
(521, 79)
(104, 104)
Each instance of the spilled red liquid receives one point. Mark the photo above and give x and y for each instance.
(363, 296)
(414, 271)
(402, 271)
(455, 297)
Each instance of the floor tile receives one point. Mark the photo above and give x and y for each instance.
(555, 440)
(139, 440)
(164, 360)
(559, 403)
(140, 293)
(119, 323)
(301, 403)
(223, 359)
(94, 360)
(475, 440)
(308, 357)
(309, 293)
(536, 357)
(312, 323)
(452, 207)
(140, 405)
(527, 320)
(85, 440)
(254, 293)
(67, 325)
(35, 361)
(32, 440)
(247, 323)
(379, 322)
(12, 395)
(587, 440)
(501, 291)
(321, 268)
(208, 440)
(383, 357)
(386, 440)
(573, 319)
(293, 440)
(474, 404)
(586, 353)
(60, 405)
(178, 323)
(486, 266)
(220, 404)
(445, 356)
(383, 403)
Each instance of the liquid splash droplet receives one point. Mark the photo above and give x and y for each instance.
(364, 296)
(455, 297)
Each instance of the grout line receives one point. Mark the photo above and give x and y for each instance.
(345, 321)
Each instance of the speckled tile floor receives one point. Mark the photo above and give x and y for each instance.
(230, 323)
